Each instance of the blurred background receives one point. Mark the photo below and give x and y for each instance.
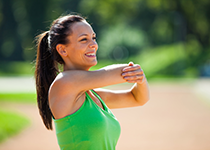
(166, 37)
(170, 39)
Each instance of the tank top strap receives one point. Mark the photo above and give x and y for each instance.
(103, 103)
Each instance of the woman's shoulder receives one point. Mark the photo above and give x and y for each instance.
(62, 88)
(59, 83)
(63, 78)
(65, 83)
(70, 76)
(63, 99)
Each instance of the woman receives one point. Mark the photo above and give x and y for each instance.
(81, 113)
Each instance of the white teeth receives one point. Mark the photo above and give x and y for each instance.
(90, 54)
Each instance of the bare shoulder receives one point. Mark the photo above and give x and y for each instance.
(63, 98)
(67, 80)
(64, 85)
(64, 79)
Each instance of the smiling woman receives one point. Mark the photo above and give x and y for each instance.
(80, 52)
(72, 98)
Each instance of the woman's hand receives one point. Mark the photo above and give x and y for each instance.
(133, 73)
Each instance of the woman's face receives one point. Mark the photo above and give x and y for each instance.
(81, 50)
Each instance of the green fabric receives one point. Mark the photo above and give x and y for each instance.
(89, 128)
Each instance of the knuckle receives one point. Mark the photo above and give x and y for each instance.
(140, 76)
(138, 66)
(139, 80)
(131, 73)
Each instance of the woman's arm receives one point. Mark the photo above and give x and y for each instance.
(140, 90)
(77, 81)
(138, 95)
(66, 94)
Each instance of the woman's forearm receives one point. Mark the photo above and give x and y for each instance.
(140, 92)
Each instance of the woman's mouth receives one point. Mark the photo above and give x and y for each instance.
(90, 55)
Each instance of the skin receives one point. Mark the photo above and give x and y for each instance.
(67, 92)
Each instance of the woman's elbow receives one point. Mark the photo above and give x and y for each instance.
(143, 101)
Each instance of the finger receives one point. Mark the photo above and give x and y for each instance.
(131, 68)
(136, 77)
(135, 81)
(131, 63)
(140, 80)
(133, 73)
(131, 81)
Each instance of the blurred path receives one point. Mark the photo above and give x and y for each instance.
(176, 118)
(17, 84)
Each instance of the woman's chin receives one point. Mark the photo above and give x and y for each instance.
(96, 62)
(93, 64)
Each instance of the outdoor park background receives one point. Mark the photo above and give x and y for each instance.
(170, 39)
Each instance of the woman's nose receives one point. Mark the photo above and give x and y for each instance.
(94, 45)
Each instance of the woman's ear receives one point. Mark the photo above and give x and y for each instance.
(61, 50)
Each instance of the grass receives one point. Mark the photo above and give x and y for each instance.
(11, 124)
(18, 97)
(160, 58)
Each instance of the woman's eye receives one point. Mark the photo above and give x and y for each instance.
(94, 38)
(83, 39)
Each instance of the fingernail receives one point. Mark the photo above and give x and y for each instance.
(124, 69)
(124, 74)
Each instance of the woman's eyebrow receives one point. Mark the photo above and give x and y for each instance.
(84, 34)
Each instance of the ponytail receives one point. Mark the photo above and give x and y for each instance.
(45, 72)
(48, 59)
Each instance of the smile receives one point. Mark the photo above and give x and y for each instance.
(91, 55)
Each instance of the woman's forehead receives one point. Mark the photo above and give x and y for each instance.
(81, 28)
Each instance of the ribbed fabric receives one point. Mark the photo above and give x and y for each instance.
(89, 128)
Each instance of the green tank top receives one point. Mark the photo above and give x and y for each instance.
(89, 128)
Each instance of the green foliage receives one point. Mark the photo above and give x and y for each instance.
(170, 60)
(155, 60)
(16, 68)
(120, 42)
(109, 11)
(11, 124)
(164, 61)
(18, 97)
(124, 28)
